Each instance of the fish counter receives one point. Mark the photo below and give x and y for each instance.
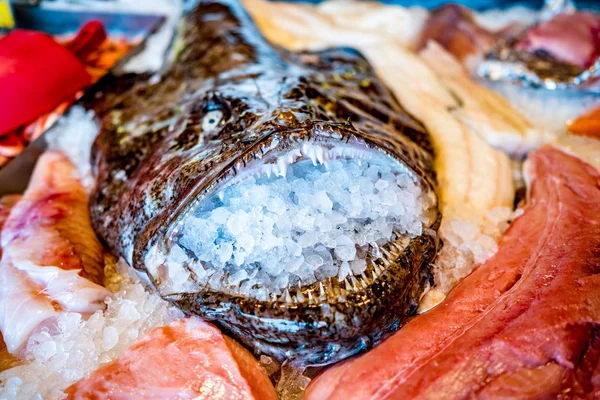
(317, 201)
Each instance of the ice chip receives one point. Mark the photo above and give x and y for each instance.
(358, 266)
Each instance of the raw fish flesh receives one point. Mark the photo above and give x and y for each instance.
(523, 325)
(487, 113)
(569, 38)
(52, 261)
(191, 167)
(187, 359)
(559, 53)
(455, 29)
(7, 360)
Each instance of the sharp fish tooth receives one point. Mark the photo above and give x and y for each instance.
(347, 284)
(321, 290)
(282, 167)
(386, 253)
(385, 261)
(320, 155)
(375, 274)
(398, 247)
(365, 280)
(354, 282)
(288, 298)
(311, 299)
(299, 297)
(377, 269)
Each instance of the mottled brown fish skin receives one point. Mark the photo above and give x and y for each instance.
(152, 158)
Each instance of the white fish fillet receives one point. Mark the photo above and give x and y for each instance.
(307, 26)
(490, 115)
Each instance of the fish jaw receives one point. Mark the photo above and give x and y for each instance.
(230, 98)
(338, 316)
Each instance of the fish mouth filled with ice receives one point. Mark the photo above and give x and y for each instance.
(283, 225)
(286, 196)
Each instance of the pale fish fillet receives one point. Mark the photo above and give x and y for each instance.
(52, 261)
(485, 111)
(187, 359)
(474, 177)
(325, 25)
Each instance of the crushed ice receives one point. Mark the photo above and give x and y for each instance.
(55, 361)
(267, 233)
(466, 245)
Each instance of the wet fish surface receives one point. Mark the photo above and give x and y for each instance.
(52, 261)
(229, 101)
(523, 325)
(195, 361)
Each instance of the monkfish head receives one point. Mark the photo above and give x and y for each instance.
(286, 196)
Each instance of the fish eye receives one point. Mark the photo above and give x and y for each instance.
(211, 120)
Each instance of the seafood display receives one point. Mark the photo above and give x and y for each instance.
(318, 201)
(197, 360)
(234, 115)
(52, 261)
(559, 53)
(517, 327)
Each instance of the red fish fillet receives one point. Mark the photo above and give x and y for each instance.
(455, 29)
(188, 359)
(523, 325)
(572, 38)
(52, 261)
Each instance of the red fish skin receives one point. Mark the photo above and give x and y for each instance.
(36, 74)
(531, 312)
(188, 359)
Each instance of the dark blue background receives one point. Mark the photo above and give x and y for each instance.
(481, 4)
